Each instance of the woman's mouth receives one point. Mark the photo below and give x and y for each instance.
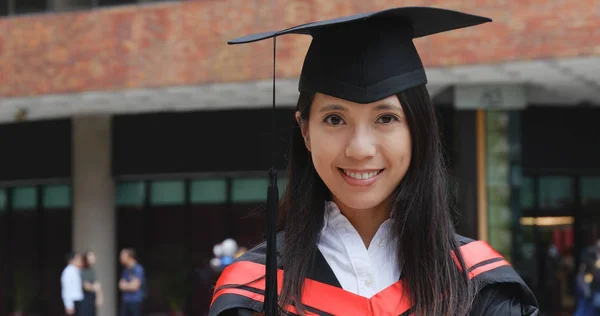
(360, 177)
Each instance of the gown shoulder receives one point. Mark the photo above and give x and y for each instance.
(503, 299)
(501, 290)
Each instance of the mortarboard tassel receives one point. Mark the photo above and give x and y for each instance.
(270, 305)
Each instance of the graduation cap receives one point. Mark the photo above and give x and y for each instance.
(361, 58)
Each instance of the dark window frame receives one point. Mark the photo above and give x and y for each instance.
(10, 244)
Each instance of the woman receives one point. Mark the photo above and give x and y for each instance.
(92, 290)
(366, 223)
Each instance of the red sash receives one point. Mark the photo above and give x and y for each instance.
(393, 300)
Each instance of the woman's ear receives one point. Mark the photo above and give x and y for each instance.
(303, 129)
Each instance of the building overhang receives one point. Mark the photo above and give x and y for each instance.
(562, 82)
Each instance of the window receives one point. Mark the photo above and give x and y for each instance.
(527, 194)
(24, 198)
(2, 200)
(590, 192)
(12, 7)
(208, 191)
(249, 190)
(57, 196)
(35, 245)
(4, 7)
(30, 6)
(62, 5)
(130, 193)
(115, 2)
(555, 192)
(167, 192)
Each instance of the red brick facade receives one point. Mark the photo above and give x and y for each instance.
(184, 43)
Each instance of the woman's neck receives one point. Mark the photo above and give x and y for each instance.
(365, 221)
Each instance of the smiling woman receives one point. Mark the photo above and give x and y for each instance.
(401, 143)
(366, 226)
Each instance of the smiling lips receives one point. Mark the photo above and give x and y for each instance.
(360, 177)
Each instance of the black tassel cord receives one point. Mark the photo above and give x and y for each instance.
(270, 305)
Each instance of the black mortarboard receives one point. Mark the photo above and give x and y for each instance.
(361, 58)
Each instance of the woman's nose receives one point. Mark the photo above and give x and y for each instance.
(361, 145)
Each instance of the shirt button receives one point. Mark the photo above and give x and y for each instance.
(380, 242)
(368, 282)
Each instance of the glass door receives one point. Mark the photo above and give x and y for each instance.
(548, 247)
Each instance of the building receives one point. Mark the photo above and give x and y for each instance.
(136, 125)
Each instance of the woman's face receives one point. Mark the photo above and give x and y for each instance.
(361, 151)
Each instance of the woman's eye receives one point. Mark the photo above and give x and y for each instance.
(334, 120)
(387, 119)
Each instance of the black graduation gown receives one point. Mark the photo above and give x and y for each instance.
(240, 289)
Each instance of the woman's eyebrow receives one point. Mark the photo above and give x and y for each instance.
(379, 107)
(387, 106)
(332, 107)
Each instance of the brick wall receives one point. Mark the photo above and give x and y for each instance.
(184, 43)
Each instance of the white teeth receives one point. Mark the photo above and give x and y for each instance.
(361, 176)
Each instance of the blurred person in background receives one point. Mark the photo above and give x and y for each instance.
(92, 290)
(131, 284)
(72, 289)
(583, 280)
(595, 281)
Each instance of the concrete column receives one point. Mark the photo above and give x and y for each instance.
(94, 217)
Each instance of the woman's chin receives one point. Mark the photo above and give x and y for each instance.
(360, 202)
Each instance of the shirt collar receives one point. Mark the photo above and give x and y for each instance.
(334, 217)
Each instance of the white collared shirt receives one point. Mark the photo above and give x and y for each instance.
(72, 287)
(359, 270)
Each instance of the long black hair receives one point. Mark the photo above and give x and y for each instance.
(422, 221)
